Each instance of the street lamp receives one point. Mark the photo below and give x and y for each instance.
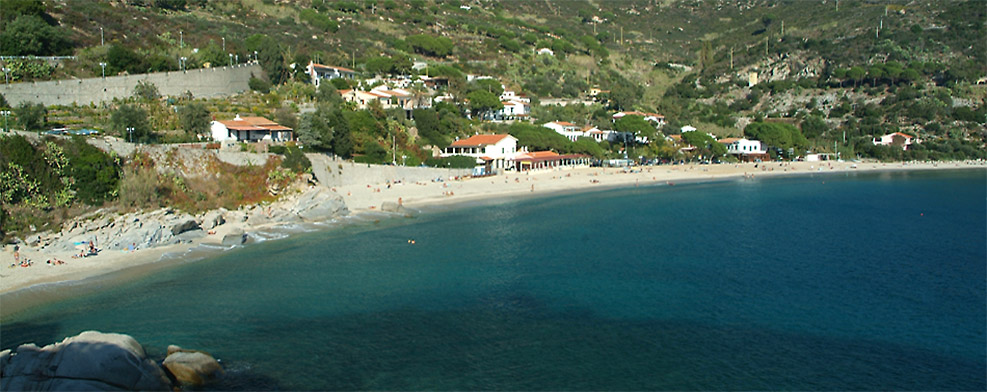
(6, 75)
(181, 39)
(103, 65)
(183, 63)
(231, 59)
(5, 113)
(101, 37)
(237, 58)
(255, 55)
(224, 44)
(130, 130)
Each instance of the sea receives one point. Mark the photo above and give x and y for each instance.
(858, 281)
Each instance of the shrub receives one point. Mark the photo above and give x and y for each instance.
(31, 116)
(452, 162)
(257, 84)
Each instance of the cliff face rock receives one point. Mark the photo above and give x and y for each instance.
(90, 361)
(315, 205)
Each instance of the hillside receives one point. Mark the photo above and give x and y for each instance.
(826, 61)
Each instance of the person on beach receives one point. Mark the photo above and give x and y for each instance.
(17, 254)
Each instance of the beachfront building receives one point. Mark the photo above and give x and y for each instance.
(250, 129)
(319, 72)
(548, 160)
(744, 149)
(899, 139)
(493, 152)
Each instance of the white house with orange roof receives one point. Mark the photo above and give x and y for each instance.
(318, 72)
(895, 139)
(494, 151)
(565, 128)
(250, 129)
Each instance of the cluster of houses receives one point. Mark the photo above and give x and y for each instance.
(493, 152)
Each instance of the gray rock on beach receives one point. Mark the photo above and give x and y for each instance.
(212, 219)
(90, 361)
(186, 225)
(316, 204)
(235, 237)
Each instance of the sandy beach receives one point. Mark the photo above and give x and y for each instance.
(370, 197)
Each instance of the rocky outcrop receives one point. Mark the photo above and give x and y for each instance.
(192, 368)
(235, 237)
(184, 226)
(92, 361)
(315, 204)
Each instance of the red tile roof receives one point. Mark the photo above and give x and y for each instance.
(253, 124)
(729, 140)
(479, 141)
(331, 67)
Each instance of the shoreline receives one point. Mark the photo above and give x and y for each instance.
(24, 287)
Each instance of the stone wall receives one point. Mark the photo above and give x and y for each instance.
(332, 172)
(202, 82)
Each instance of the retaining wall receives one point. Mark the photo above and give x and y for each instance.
(202, 82)
(333, 172)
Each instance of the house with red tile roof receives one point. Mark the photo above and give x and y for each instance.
(902, 140)
(250, 129)
(655, 118)
(492, 151)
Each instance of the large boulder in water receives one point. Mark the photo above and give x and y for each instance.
(192, 368)
(91, 361)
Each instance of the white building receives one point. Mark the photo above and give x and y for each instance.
(318, 72)
(654, 118)
(739, 146)
(387, 97)
(895, 139)
(493, 151)
(569, 130)
(249, 129)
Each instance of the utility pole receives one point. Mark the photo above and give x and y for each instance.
(622, 35)
(782, 28)
(731, 58)
(101, 36)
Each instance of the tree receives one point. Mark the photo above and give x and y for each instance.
(624, 95)
(430, 46)
(482, 101)
(856, 74)
(586, 145)
(314, 129)
(30, 35)
(707, 146)
(128, 117)
(427, 122)
(194, 118)
(174, 5)
(635, 125)
(119, 59)
(813, 127)
(328, 94)
(146, 91)
(776, 134)
(31, 116)
(342, 141)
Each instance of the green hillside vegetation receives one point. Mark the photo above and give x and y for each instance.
(830, 75)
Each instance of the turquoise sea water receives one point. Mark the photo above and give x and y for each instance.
(832, 282)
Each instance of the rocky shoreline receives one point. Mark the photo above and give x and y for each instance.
(97, 361)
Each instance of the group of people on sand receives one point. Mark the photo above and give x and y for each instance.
(86, 251)
(18, 261)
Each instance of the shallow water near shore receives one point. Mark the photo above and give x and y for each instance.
(859, 281)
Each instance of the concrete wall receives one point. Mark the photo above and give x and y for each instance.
(203, 83)
(333, 172)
